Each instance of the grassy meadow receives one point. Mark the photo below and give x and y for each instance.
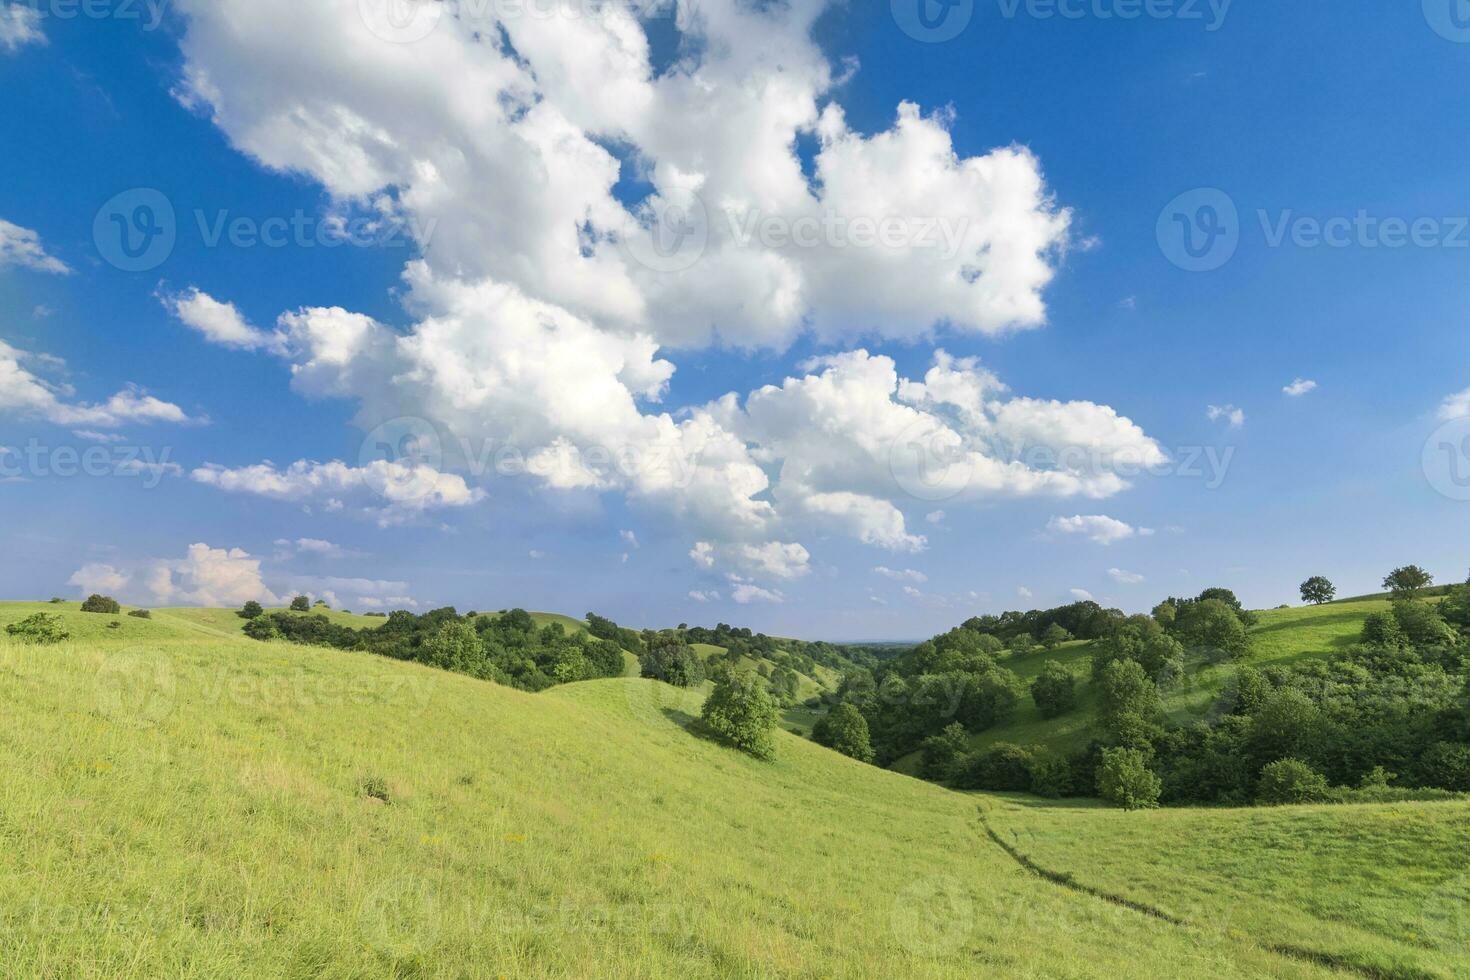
(183, 802)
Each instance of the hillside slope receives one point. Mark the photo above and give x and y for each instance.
(176, 804)
(1281, 637)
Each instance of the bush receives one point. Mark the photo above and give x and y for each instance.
(374, 788)
(101, 604)
(1127, 692)
(264, 629)
(845, 730)
(1422, 624)
(941, 752)
(1055, 691)
(1125, 780)
(741, 712)
(669, 659)
(251, 610)
(1054, 636)
(1001, 767)
(39, 629)
(1290, 781)
(141, 614)
(1447, 765)
(456, 646)
(301, 604)
(57, 600)
(1051, 774)
(1383, 630)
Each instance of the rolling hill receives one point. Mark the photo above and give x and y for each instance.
(1281, 637)
(179, 801)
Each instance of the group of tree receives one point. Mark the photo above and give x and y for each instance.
(507, 647)
(1389, 716)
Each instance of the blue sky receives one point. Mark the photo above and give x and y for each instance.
(1295, 115)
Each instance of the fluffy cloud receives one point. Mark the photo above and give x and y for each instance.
(901, 575)
(1081, 595)
(23, 391)
(1232, 416)
(540, 306)
(220, 323)
(1124, 578)
(20, 25)
(21, 246)
(1097, 527)
(1456, 406)
(1299, 387)
(500, 137)
(228, 577)
(99, 578)
(746, 593)
(389, 491)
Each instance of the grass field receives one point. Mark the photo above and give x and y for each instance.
(1382, 889)
(178, 803)
(1282, 637)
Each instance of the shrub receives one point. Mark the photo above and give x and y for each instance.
(141, 614)
(1125, 780)
(116, 624)
(1054, 691)
(263, 628)
(1051, 774)
(740, 711)
(941, 752)
(845, 730)
(39, 629)
(1290, 781)
(1383, 630)
(669, 659)
(251, 610)
(57, 600)
(1422, 624)
(1447, 766)
(301, 604)
(101, 604)
(1001, 767)
(374, 788)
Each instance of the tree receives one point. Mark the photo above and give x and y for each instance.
(301, 604)
(1127, 693)
(251, 610)
(1022, 644)
(669, 659)
(1407, 582)
(741, 712)
(845, 730)
(1213, 625)
(1423, 624)
(1054, 691)
(101, 604)
(1055, 635)
(1051, 774)
(1290, 781)
(940, 753)
(1318, 590)
(1125, 780)
(456, 646)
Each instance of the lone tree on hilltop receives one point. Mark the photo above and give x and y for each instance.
(1407, 582)
(1318, 590)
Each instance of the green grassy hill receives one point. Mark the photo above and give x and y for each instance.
(180, 802)
(1281, 637)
